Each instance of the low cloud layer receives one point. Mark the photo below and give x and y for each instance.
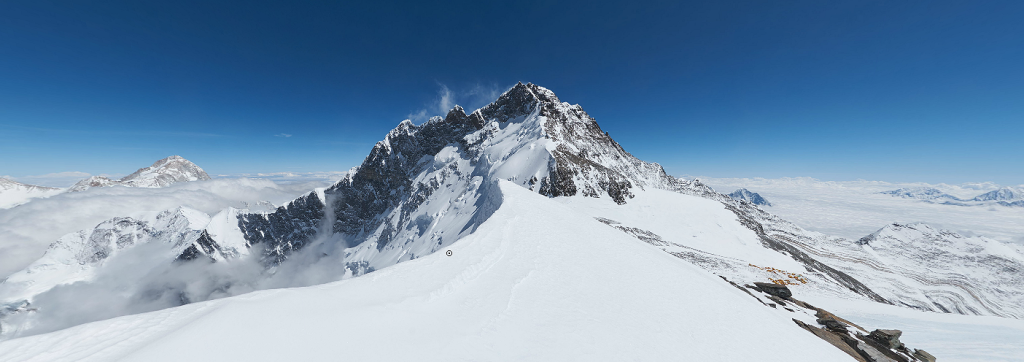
(854, 209)
(27, 230)
(144, 278)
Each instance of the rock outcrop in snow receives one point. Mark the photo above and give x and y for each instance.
(162, 173)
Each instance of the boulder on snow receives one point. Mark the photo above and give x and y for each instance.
(777, 290)
(924, 356)
(832, 325)
(889, 337)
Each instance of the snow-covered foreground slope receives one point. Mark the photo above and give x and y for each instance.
(13, 193)
(536, 281)
(853, 209)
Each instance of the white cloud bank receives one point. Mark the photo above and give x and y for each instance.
(854, 209)
(27, 230)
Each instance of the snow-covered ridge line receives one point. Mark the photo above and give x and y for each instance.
(13, 193)
(1006, 196)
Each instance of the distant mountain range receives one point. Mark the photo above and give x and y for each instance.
(162, 173)
(1006, 196)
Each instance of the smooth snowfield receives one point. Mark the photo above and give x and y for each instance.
(537, 281)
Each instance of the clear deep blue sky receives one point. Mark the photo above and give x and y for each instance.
(897, 91)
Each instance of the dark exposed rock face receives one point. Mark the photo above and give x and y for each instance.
(890, 337)
(204, 245)
(923, 356)
(832, 324)
(289, 228)
(777, 290)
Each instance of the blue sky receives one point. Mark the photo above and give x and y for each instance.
(897, 91)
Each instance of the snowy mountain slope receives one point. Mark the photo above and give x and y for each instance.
(537, 281)
(921, 268)
(751, 197)
(426, 186)
(13, 193)
(76, 256)
(965, 275)
(162, 173)
(1003, 194)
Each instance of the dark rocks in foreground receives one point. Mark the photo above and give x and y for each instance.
(881, 345)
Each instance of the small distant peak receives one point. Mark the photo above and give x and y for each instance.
(456, 113)
(751, 197)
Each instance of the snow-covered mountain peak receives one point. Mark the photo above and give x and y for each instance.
(751, 197)
(1002, 194)
(166, 172)
(162, 173)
